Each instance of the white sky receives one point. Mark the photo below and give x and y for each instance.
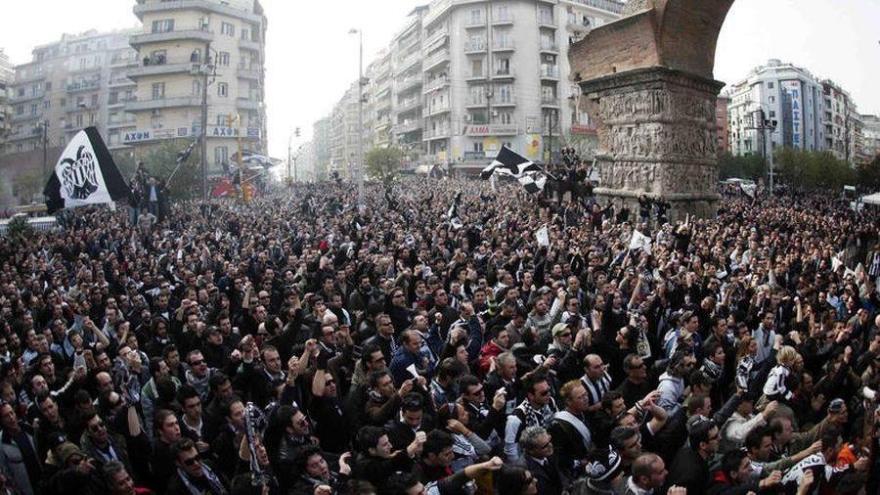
(311, 59)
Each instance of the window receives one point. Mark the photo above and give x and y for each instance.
(79, 120)
(113, 98)
(94, 100)
(19, 110)
(48, 86)
(63, 102)
(163, 26)
(476, 16)
(478, 147)
(92, 118)
(33, 108)
(770, 85)
(221, 155)
(772, 114)
(227, 29)
(223, 59)
(477, 67)
(246, 34)
(222, 89)
(771, 99)
(502, 66)
(46, 104)
(505, 118)
(158, 91)
(197, 88)
(222, 119)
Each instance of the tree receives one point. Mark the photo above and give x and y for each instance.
(813, 169)
(161, 161)
(384, 163)
(741, 167)
(869, 175)
(27, 185)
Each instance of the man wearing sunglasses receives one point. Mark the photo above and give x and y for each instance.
(193, 474)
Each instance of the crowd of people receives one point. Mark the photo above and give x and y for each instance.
(296, 345)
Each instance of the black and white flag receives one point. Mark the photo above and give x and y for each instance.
(510, 163)
(452, 214)
(85, 175)
(533, 182)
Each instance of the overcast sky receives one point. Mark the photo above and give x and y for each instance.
(311, 59)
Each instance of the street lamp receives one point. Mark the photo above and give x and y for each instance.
(360, 170)
(43, 129)
(767, 128)
(206, 70)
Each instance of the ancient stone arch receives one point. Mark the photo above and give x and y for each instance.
(648, 78)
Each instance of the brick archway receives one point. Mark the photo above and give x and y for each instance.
(649, 80)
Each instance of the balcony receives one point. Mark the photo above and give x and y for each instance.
(252, 45)
(253, 74)
(501, 74)
(502, 20)
(407, 127)
(578, 26)
(83, 86)
(505, 102)
(27, 97)
(549, 47)
(438, 133)
(437, 110)
(202, 5)
(247, 104)
(120, 82)
(184, 34)
(475, 23)
(409, 83)
(474, 155)
(409, 105)
(549, 101)
(162, 69)
(435, 60)
(160, 103)
(119, 102)
(549, 72)
(436, 39)
(409, 61)
(475, 46)
(503, 46)
(122, 123)
(434, 85)
(480, 76)
(382, 124)
(25, 116)
(478, 103)
(546, 21)
(606, 5)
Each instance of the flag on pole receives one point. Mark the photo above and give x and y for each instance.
(640, 241)
(748, 189)
(511, 163)
(452, 213)
(184, 155)
(85, 175)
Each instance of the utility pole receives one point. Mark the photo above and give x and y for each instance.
(289, 155)
(766, 127)
(44, 128)
(206, 69)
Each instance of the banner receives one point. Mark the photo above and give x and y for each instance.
(85, 175)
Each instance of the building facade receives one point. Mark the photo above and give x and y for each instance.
(870, 137)
(76, 82)
(7, 75)
(810, 114)
(187, 48)
(722, 125)
(463, 78)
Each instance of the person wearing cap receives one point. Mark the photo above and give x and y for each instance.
(75, 473)
(604, 472)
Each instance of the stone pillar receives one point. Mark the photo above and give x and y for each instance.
(657, 137)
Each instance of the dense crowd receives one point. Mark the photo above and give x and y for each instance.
(293, 345)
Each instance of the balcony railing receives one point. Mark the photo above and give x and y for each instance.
(407, 105)
(549, 100)
(438, 133)
(474, 155)
(549, 46)
(154, 69)
(507, 73)
(503, 45)
(546, 20)
(509, 101)
(500, 19)
(436, 84)
(607, 5)
(83, 86)
(184, 34)
(436, 59)
(438, 109)
(411, 126)
(472, 23)
(550, 72)
(475, 46)
(158, 103)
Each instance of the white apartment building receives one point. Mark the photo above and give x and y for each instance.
(464, 77)
(870, 136)
(7, 75)
(810, 114)
(76, 82)
(180, 42)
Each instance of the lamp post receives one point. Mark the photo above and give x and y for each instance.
(44, 137)
(767, 128)
(360, 169)
(207, 69)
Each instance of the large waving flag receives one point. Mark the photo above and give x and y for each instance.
(85, 175)
(508, 162)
